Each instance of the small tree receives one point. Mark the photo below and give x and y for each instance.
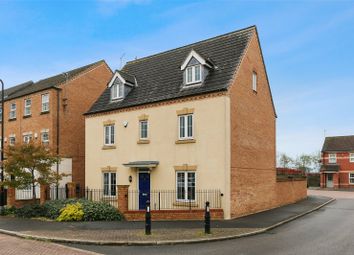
(285, 161)
(27, 165)
(304, 162)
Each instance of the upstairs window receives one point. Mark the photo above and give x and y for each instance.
(45, 103)
(28, 103)
(185, 126)
(109, 138)
(332, 158)
(351, 157)
(254, 81)
(143, 129)
(193, 74)
(0, 114)
(13, 111)
(117, 90)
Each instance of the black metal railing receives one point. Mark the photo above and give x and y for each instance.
(27, 194)
(96, 195)
(173, 200)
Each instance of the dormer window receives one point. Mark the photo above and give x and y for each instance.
(195, 68)
(117, 90)
(193, 74)
(121, 84)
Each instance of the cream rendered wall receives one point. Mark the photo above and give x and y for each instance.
(210, 152)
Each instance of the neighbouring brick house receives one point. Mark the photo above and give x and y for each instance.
(50, 111)
(188, 125)
(337, 170)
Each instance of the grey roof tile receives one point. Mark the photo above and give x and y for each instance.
(159, 76)
(338, 143)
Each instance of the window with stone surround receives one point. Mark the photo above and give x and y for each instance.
(13, 111)
(28, 103)
(109, 135)
(351, 157)
(109, 184)
(45, 102)
(185, 185)
(351, 178)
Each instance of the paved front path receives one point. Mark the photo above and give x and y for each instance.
(14, 246)
(327, 231)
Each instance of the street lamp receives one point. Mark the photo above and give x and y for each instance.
(2, 193)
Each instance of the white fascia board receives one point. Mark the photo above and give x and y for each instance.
(194, 54)
(115, 76)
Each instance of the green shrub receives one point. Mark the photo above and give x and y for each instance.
(9, 211)
(99, 211)
(71, 212)
(30, 211)
(52, 207)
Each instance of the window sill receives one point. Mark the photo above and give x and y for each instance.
(27, 116)
(143, 141)
(108, 147)
(13, 119)
(185, 141)
(46, 112)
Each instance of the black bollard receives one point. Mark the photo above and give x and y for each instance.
(147, 219)
(207, 218)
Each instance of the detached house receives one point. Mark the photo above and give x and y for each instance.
(189, 125)
(337, 170)
(50, 112)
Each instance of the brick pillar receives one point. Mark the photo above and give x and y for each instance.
(122, 197)
(44, 189)
(71, 189)
(11, 197)
(322, 180)
(336, 181)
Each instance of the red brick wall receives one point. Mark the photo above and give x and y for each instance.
(340, 180)
(253, 138)
(80, 93)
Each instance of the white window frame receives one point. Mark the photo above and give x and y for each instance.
(0, 114)
(194, 73)
(109, 192)
(45, 141)
(13, 111)
(10, 140)
(45, 102)
(351, 157)
(27, 138)
(117, 91)
(28, 107)
(111, 135)
(141, 129)
(332, 158)
(351, 178)
(185, 199)
(186, 129)
(254, 81)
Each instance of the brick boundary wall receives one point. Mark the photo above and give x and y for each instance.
(290, 191)
(216, 214)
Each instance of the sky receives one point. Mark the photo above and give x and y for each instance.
(308, 48)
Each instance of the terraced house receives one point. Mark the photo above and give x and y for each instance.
(337, 169)
(50, 111)
(186, 126)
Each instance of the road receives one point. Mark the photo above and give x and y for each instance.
(327, 231)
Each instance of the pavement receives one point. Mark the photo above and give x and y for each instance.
(11, 245)
(164, 232)
(327, 231)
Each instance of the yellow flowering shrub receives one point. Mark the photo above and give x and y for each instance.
(71, 212)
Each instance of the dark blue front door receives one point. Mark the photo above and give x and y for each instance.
(144, 189)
